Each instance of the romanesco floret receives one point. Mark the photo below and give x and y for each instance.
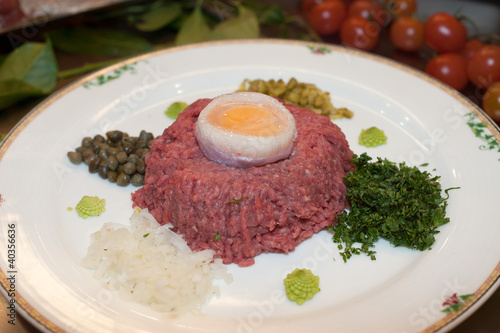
(372, 137)
(90, 206)
(301, 285)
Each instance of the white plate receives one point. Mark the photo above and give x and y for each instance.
(402, 291)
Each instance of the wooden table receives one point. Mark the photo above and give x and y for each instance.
(485, 320)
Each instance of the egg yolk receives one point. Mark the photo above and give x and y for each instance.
(246, 119)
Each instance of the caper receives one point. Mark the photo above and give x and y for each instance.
(112, 176)
(114, 136)
(132, 158)
(123, 179)
(119, 169)
(144, 153)
(104, 145)
(130, 139)
(95, 147)
(140, 144)
(141, 152)
(99, 139)
(103, 155)
(143, 135)
(102, 169)
(112, 151)
(75, 157)
(81, 149)
(121, 157)
(128, 147)
(112, 163)
(118, 156)
(140, 166)
(129, 168)
(137, 179)
(93, 164)
(88, 155)
(87, 142)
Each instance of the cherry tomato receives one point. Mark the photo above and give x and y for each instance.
(326, 17)
(306, 5)
(401, 7)
(444, 33)
(359, 33)
(370, 10)
(483, 68)
(407, 33)
(449, 68)
(491, 102)
(8, 6)
(471, 48)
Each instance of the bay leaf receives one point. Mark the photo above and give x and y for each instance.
(194, 28)
(98, 41)
(266, 14)
(28, 71)
(159, 17)
(245, 25)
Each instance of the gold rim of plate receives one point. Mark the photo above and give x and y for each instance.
(4, 146)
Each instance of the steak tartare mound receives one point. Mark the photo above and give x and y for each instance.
(240, 213)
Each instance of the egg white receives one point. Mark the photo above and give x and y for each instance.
(241, 150)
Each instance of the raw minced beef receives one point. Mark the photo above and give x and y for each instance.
(240, 213)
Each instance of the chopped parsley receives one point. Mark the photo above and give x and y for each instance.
(145, 235)
(237, 201)
(401, 204)
(216, 237)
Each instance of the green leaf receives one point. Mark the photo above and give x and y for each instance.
(28, 71)
(159, 17)
(266, 14)
(175, 108)
(245, 25)
(97, 41)
(194, 28)
(271, 15)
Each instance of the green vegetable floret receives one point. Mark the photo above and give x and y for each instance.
(301, 285)
(372, 137)
(90, 206)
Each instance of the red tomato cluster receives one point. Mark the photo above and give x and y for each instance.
(460, 60)
(357, 22)
(457, 59)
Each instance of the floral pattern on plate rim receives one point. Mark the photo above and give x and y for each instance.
(319, 49)
(455, 302)
(478, 128)
(117, 73)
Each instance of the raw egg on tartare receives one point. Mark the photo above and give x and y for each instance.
(245, 129)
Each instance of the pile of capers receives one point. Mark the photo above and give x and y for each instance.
(118, 157)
